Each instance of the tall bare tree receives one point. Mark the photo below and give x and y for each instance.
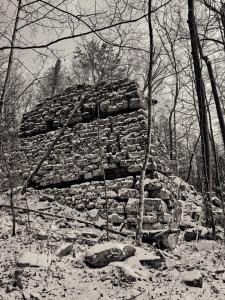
(149, 129)
(203, 120)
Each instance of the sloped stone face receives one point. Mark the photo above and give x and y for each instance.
(114, 98)
(76, 157)
(72, 174)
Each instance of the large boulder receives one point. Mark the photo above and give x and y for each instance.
(101, 255)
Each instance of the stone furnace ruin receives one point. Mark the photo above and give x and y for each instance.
(112, 121)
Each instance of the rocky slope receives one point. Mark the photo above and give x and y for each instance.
(58, 258)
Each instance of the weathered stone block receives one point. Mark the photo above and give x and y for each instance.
(127, 193)
(152, 184)
(30, 259)
(116, 218)
(154, 205)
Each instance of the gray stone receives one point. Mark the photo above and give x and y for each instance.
(42, 235)
(90, 205)
(45, 197)
(110, 194)
(101, 255)
(132, 206)
(216, 201)
(127, 193)
(151, 261)
(116, 219)
(151, 205)
(125, 273)
(191, 234)
(152, 184)
(166, 218)
(31, 259)
(165, 194)
(154, 205)
(169, 241)
(80, 206)
(193, 278)
(64, 249)
(93, 215)
(150, 219)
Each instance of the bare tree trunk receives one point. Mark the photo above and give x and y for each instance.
(172, 113)
(103, 174)
(4, 89)
(55, 80)
(175, 141)
(203, 121)
(149, 130)
(11, 184)
(191, 159)
(218, 182)
(216, 97)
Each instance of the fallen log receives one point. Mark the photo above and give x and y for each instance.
(101, 227)
(164, 232)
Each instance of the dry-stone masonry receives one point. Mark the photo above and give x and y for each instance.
(112, 121)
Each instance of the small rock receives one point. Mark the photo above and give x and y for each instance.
(45, 197)
(42, 236)
(193, 278)
(90, 205)
(216, 201)
(151, 260)
(169, 241)
(64, 249)
(80, 207)
(191, 234)
(150, 219)
(152, 184)
(186, 225)
(116, 219)
(103, 254)
(71, 236)
(125, 273)
(30, 259)
(93, 215)
(165, 194)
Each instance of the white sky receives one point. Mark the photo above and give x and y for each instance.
(65, 48)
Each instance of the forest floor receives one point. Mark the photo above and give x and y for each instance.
(68, 277)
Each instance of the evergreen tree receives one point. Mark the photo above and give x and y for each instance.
(96, 61)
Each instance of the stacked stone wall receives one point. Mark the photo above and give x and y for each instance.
(112, 120)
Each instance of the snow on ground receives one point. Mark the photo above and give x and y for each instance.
(68, 277)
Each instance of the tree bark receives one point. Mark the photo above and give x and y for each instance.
(218, 181)
(149, 130)
(203, 121)
(191, 159)
(103, 173)
(10, 60)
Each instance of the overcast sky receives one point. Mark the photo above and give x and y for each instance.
(29, 57)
